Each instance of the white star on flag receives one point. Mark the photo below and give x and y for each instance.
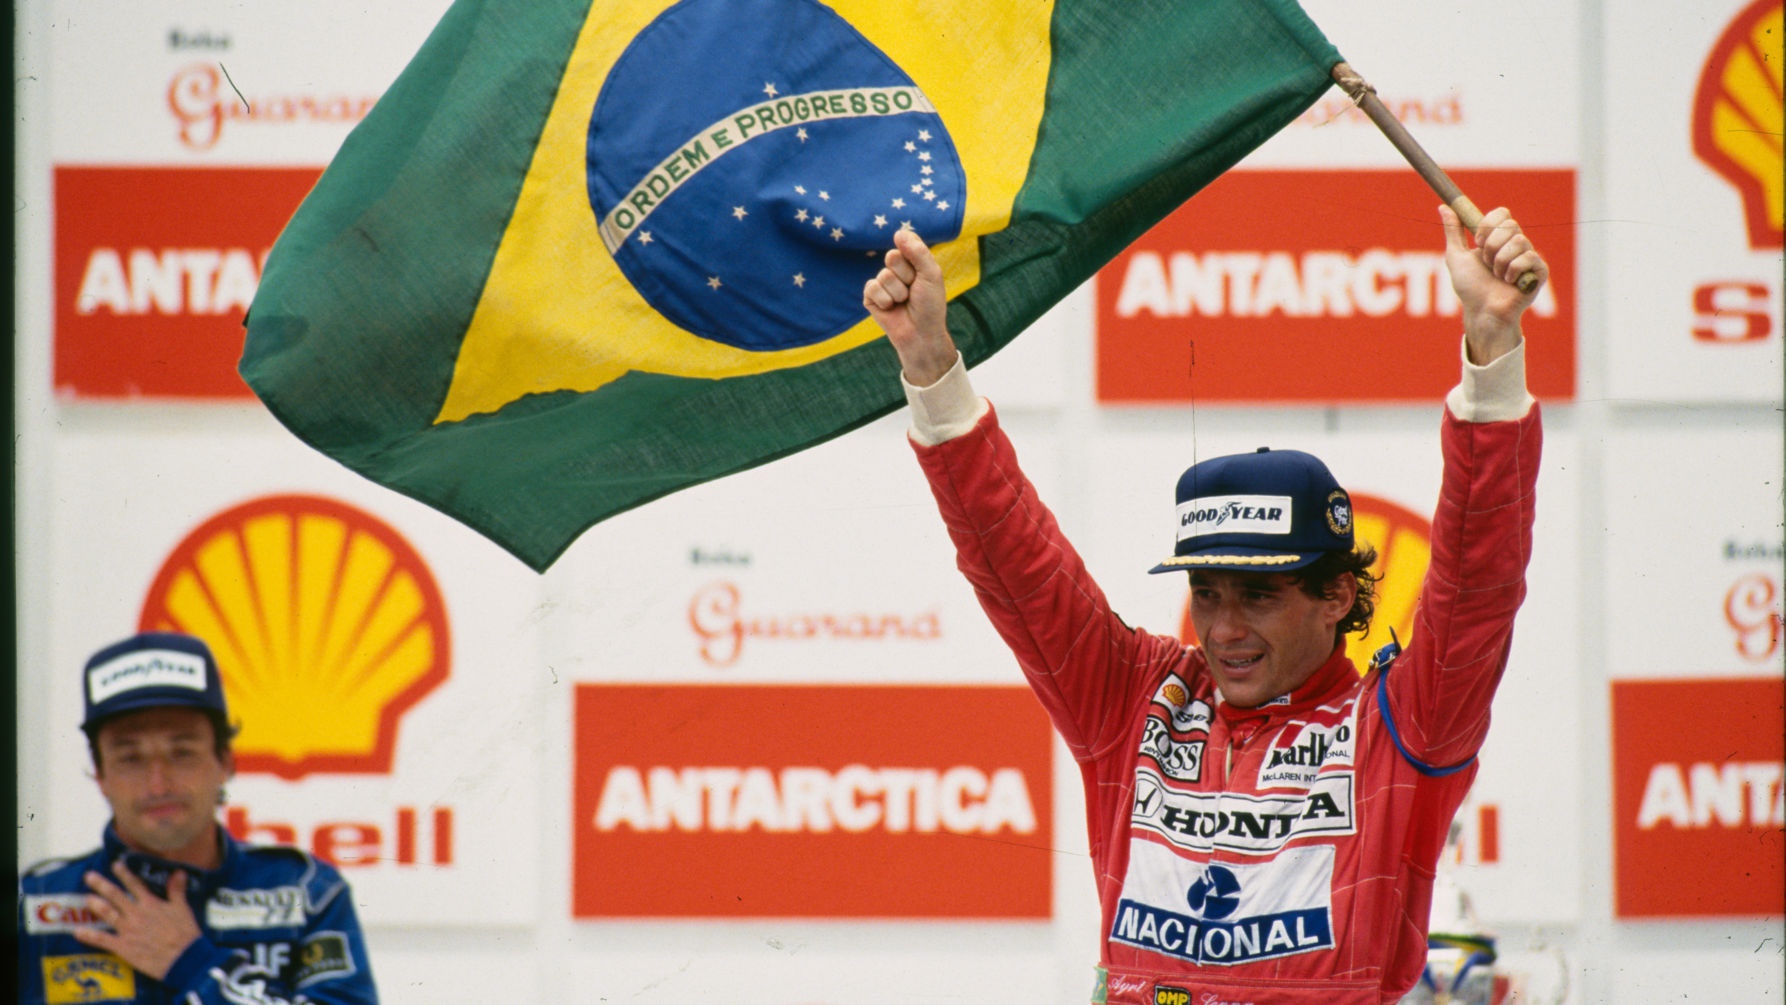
(799, 279)
(713, 282)
(917, 188)
(926, 169)
(923, 155)
(899, 204)
(928, 194)
(739, 213)
(943, 205)
(836, 233)
(818, 221)
(644, 237)
(769, 89)
(800, 189)
(910, 146)
(879, 220)
(801, 132)
(924, 134)
(800, 215)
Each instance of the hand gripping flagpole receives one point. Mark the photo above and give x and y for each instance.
(1365, 97)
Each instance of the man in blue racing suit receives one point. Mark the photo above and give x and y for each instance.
(171, 908)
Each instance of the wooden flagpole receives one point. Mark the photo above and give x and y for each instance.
(1365, 97)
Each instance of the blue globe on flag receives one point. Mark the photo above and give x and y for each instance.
(749, 163)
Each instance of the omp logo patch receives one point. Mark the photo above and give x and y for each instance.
(1204, 821)
(279, 907)
(1166, 994)
(87, 977)
(48, 913)
(326, 624)
(325, 954)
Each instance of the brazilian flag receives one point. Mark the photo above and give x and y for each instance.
(584, 253)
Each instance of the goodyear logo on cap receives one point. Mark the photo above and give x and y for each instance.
(145, 668)
(1233, 515)
(326, 626)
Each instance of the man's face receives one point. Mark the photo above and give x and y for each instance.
(160, 771)
(1263, 636)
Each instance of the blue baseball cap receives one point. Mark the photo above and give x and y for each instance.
(151, 670)
(1268, 511)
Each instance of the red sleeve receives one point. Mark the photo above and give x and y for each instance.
(1440, 688)
(1083, 663)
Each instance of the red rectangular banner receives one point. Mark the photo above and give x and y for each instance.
(808, 801)
(155, 268)
(1318, 287)
(1697, 797)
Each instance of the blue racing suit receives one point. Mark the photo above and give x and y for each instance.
(277, 927)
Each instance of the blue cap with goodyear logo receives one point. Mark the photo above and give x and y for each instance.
(151, 670)
(1268, 511)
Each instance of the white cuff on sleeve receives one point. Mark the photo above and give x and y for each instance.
(1493, 392)
(945, 409)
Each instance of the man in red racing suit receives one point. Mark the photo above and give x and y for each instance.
(1264, 821)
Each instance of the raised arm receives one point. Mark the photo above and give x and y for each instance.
(908, 301)
(1484, 276)
(1439, 691)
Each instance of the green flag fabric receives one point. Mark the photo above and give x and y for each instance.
(583, 254)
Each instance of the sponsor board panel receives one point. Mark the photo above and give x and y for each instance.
(1465, 112)
(1676, 964)
(829, 565)
(1699, 829)
(1693, 200)
(794, 963)
(811, 801)
(1507, 851)
(1709, 560)
(1275, 286)
(154, 269)
(461, 968)
(378, 655)
(209, 81)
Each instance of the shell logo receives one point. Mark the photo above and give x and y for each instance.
(1403, 539)
(326, 624)
(1737, 117)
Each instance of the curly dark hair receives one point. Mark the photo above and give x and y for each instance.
(1316, 579)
